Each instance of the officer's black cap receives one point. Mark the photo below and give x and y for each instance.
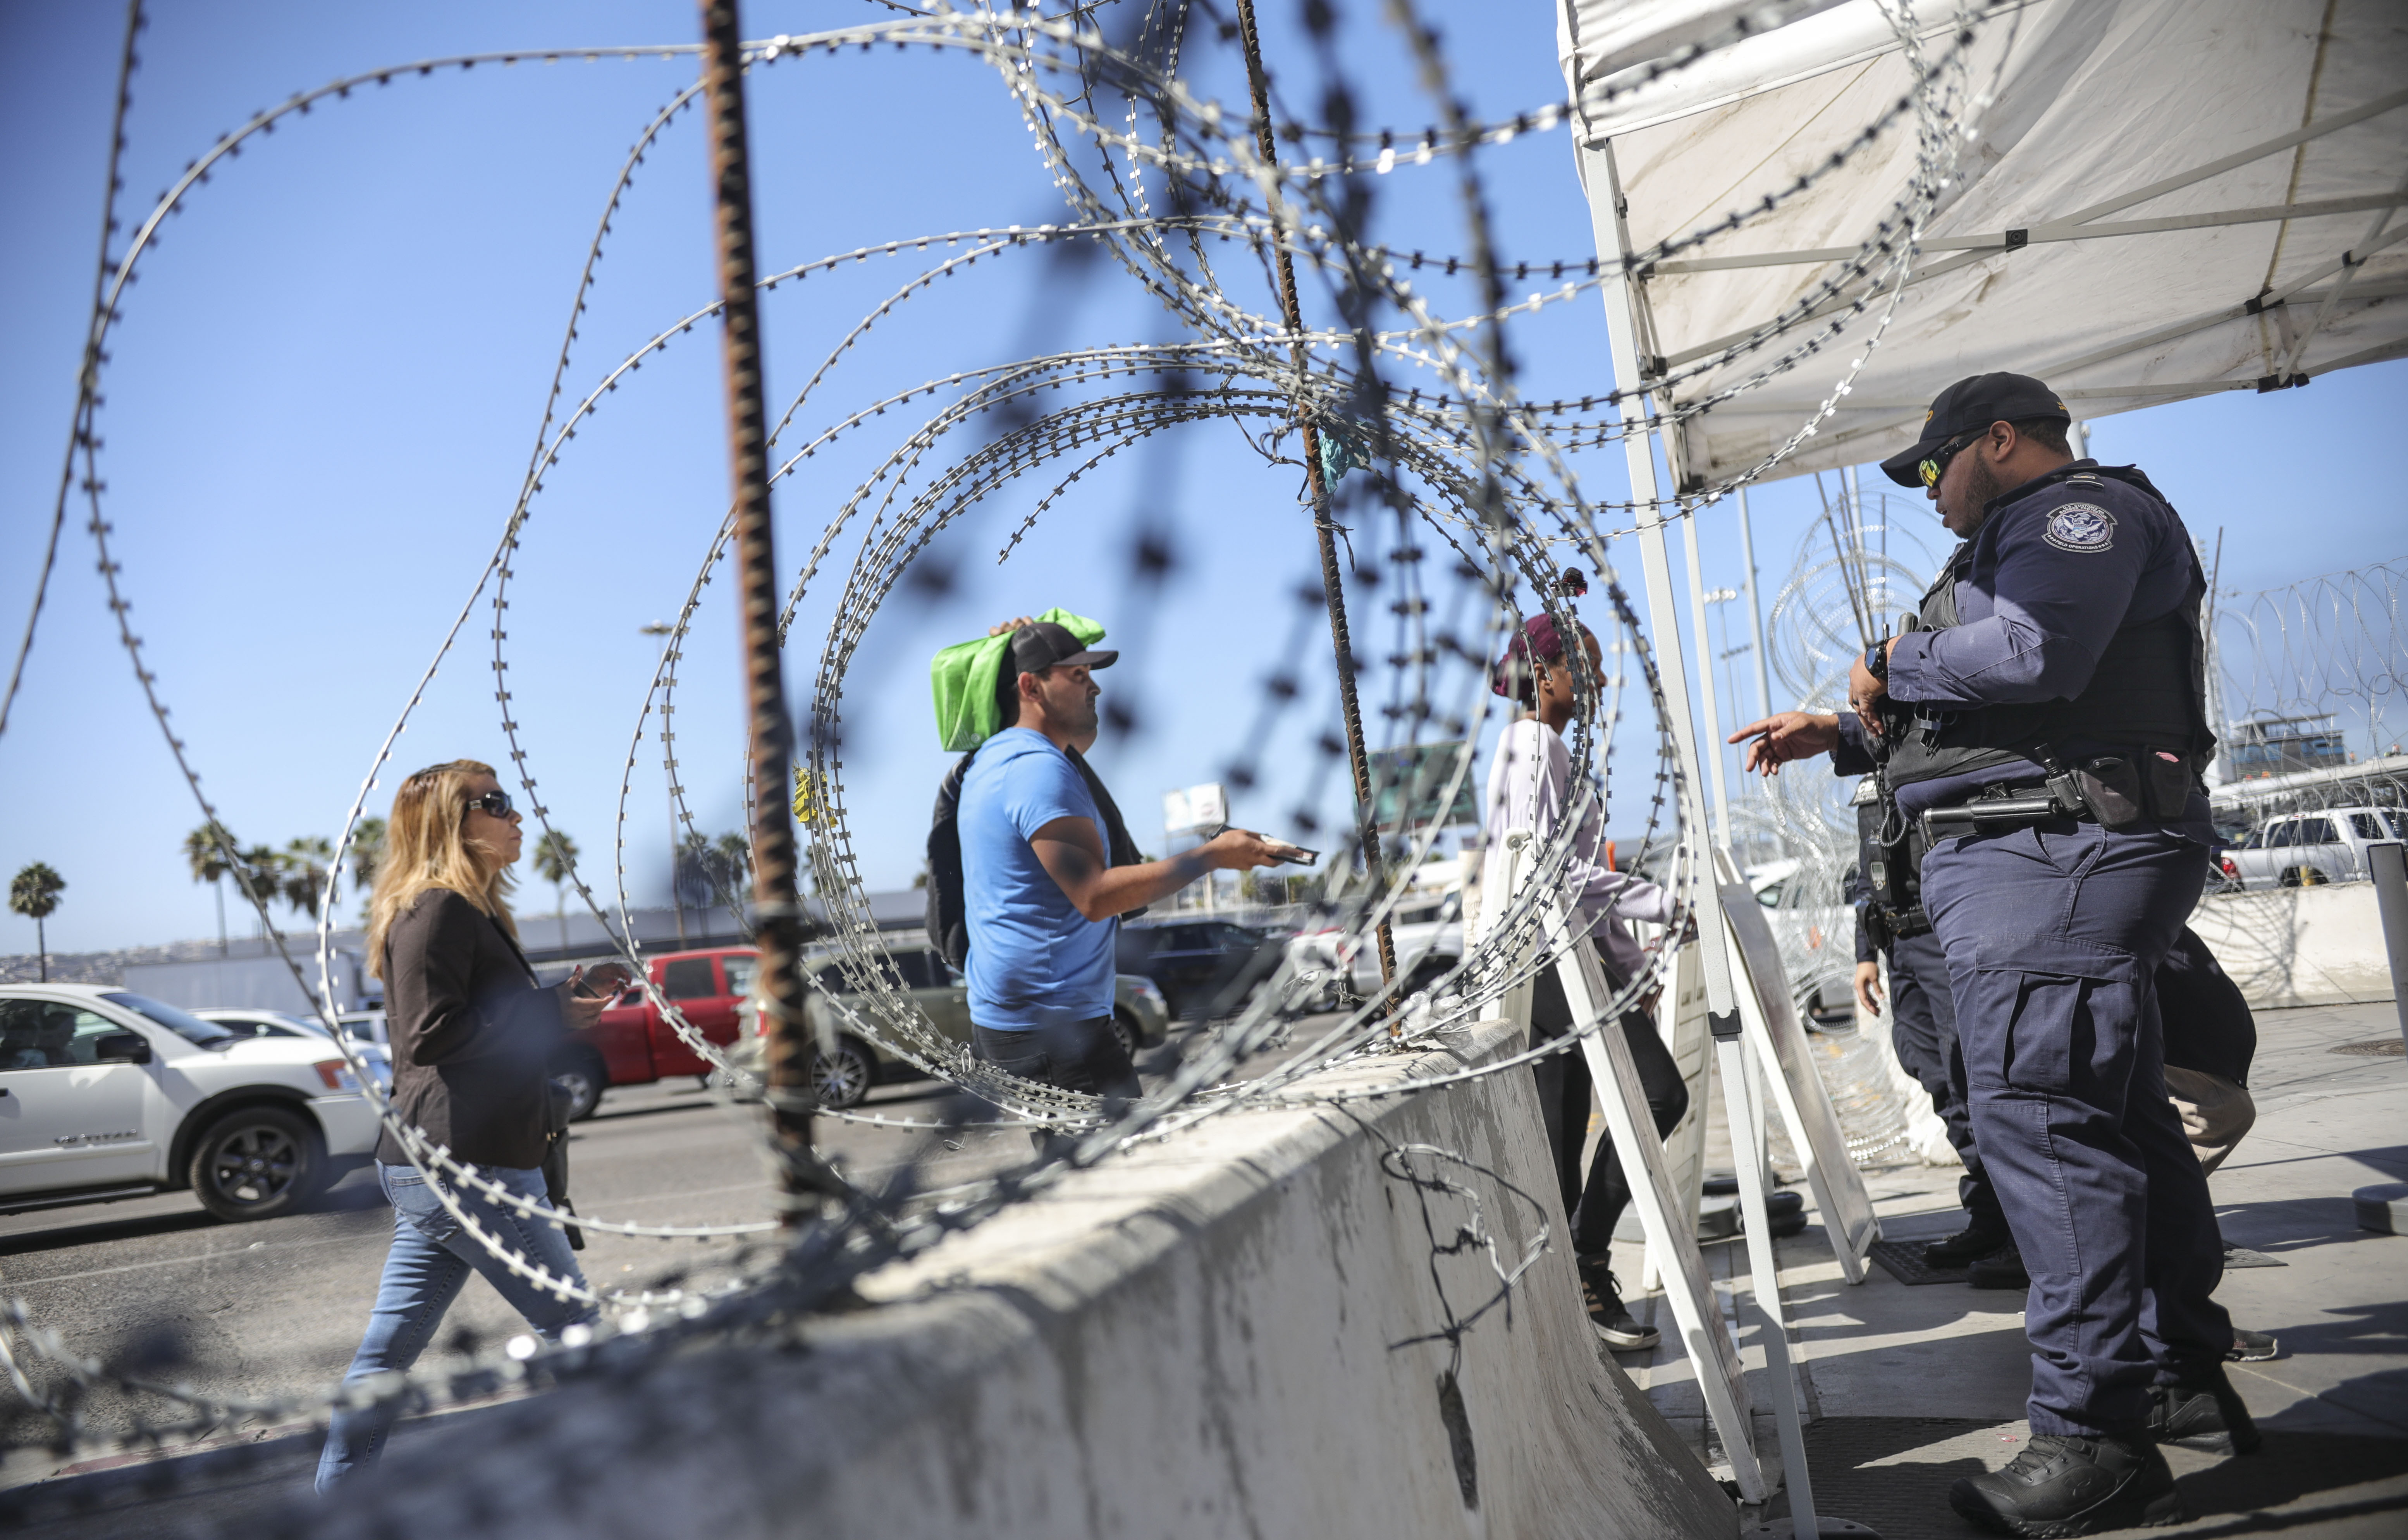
(1971, 406)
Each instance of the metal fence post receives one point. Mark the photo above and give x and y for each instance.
(776, 914)
(1333, 593)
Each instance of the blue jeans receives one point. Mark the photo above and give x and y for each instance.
(432, 1256)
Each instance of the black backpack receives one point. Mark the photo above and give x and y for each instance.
(948, 918)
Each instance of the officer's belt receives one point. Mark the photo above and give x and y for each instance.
(2000, 808)
(1904, 925)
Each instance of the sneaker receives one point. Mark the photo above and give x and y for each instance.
(2252, 1348)
(2202, 1411)
(1964, 1247)
(2065, 1485)
(1602, 1295)
(2001, 1269)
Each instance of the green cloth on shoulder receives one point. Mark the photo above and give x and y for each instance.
(963, 676)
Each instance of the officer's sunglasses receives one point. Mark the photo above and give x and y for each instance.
(495, 802)
(1937, 466)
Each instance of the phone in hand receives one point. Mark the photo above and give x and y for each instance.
(603, 981)
(1293, 855)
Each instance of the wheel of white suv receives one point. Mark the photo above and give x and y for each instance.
(257, 1163)
(840, 1079)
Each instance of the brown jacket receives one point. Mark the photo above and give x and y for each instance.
(471, 1035)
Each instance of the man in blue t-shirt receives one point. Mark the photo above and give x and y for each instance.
(1040, 892)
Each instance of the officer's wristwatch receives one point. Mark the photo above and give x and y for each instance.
(1877, 661)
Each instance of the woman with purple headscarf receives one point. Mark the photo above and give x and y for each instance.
(1530, 787)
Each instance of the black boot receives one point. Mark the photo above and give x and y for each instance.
(2200, 1410)
(1966, 1246)
(2065, 1486)
(2001, 1269)
(1606, 1312)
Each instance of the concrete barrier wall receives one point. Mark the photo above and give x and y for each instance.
(1211, 1336)
(2319, 945)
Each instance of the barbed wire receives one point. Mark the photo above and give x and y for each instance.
(1470, 461)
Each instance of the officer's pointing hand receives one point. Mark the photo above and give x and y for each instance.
(1789, 735)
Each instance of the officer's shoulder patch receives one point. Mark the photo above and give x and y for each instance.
(2081, 479)
(2080, 527)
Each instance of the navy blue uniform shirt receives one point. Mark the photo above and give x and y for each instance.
(2052, 575)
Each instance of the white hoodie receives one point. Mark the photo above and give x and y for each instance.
(1530, 787)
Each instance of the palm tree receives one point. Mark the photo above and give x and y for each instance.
(556, 861)
(368, 855)
(208, 853)
(307, 875)
(735, 853)
(260, 872)
(34, 893)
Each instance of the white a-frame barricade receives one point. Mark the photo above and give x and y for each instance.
(1769, 1019)
(1688, 1289)
(1681, 1021)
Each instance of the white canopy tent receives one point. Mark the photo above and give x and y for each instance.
(2161, 199)
(2150, 200)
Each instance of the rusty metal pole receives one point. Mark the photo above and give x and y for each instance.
(1356, 759)
(777, 915)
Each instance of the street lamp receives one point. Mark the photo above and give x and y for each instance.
(668, 780)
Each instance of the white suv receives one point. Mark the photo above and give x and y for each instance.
(253, 1021)
(2312, 848)
(107, 1094)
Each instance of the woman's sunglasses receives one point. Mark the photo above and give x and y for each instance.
(1937, 466)
(495, 802)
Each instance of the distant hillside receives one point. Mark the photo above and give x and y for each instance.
(109, 967)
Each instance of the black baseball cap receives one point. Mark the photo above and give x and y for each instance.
(1971, 406)
(1041, 644)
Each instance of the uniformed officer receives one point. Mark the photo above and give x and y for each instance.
(2045, 716)
(1890, 923)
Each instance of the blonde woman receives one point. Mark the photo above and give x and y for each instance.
(471, 1035)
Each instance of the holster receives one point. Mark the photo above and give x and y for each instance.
(555, 1158)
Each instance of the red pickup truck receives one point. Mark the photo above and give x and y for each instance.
(631, 1045)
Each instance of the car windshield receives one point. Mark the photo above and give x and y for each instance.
(191, 1029)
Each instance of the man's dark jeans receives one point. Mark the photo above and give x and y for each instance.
(1083, 1056)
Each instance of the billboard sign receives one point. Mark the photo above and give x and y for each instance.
(1410, 788)
(1195, 808)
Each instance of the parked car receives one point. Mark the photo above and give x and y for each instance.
(841, 1078)
(632, 1044)
(1203, 968)
(105, 1093)
(1816, 933)
(1428, 937)
(252, 1023)
(2298, 848)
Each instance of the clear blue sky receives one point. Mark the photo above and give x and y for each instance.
(329, 378)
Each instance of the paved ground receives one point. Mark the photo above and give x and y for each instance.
(275, 1308)
(1914, 1386)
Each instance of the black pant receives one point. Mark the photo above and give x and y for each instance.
(1923, 1016)
(1564, 1089)
(1077, 1056)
